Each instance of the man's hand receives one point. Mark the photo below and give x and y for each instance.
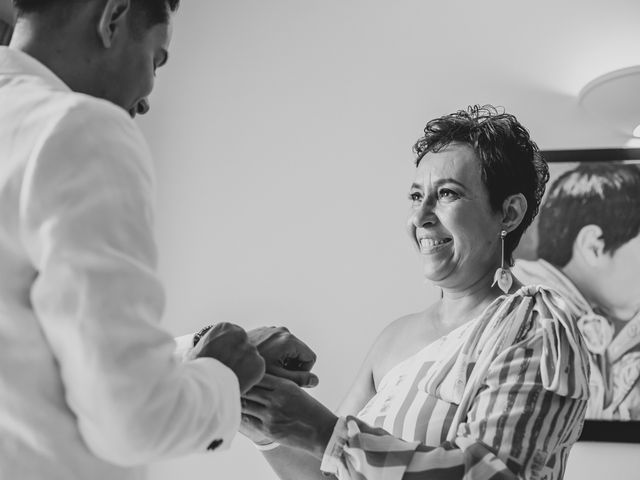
(229, 344)
(285, 356)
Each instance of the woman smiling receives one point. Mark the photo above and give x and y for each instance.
(491, 381)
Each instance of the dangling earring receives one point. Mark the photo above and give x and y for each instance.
(503, 275)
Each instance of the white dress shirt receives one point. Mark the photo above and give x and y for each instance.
(90, 386)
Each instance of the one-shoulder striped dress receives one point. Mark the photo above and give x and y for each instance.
(503, 396)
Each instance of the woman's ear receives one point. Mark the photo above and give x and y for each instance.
(589, 245)
(112, 18)
(514, 208)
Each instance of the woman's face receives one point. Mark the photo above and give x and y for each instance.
(452, 223)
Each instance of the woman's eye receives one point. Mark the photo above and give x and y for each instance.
(446, 193)
(415, 197)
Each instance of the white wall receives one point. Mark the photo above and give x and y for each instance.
(282, 134)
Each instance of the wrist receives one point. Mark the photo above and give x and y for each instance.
(323, 434)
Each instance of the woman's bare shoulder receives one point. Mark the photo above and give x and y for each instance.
(401, 339)
(385, 352)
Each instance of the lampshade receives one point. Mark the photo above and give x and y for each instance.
(615, 98)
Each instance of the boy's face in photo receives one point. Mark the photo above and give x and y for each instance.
(620, 280)
(588, 228)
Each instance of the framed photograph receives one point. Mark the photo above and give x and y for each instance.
(585, 244)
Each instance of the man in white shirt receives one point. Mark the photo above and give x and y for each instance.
(90, 386)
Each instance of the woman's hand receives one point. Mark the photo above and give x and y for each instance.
(285, 355)
(251, 428)
(277, 409)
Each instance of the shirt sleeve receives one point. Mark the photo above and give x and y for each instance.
(86, 221)
(519, 425)
(184, 347)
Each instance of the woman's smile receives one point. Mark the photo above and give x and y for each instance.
(430, 245)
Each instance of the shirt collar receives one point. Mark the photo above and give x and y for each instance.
(553, 277)
(17, 62)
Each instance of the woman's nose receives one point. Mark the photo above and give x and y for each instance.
(424, 215)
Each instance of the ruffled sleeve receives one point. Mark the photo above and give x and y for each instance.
(564, 365)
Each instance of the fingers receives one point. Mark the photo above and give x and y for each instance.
(256, 395)
(252, 428)
(270, 391)
(295, 362)
(225, 328)
(303, 379)
(269, 383)
(306, 356)
(251, 371)
(229, 344)
(266, 349)
(251, 421)
(279, 346)
(253, 408)
(296, 355)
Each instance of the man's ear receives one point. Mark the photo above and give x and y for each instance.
(112, 18)
(513, 209)
(589, 245)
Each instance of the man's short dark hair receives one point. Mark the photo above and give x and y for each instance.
(509, 160)
(154, 11)
(606, 194)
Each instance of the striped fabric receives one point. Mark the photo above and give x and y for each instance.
(503, 396)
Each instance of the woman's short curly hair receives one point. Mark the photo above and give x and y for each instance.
(510, 161)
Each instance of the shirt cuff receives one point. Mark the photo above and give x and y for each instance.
(332, 459)
(184, 345)
(226, 415)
